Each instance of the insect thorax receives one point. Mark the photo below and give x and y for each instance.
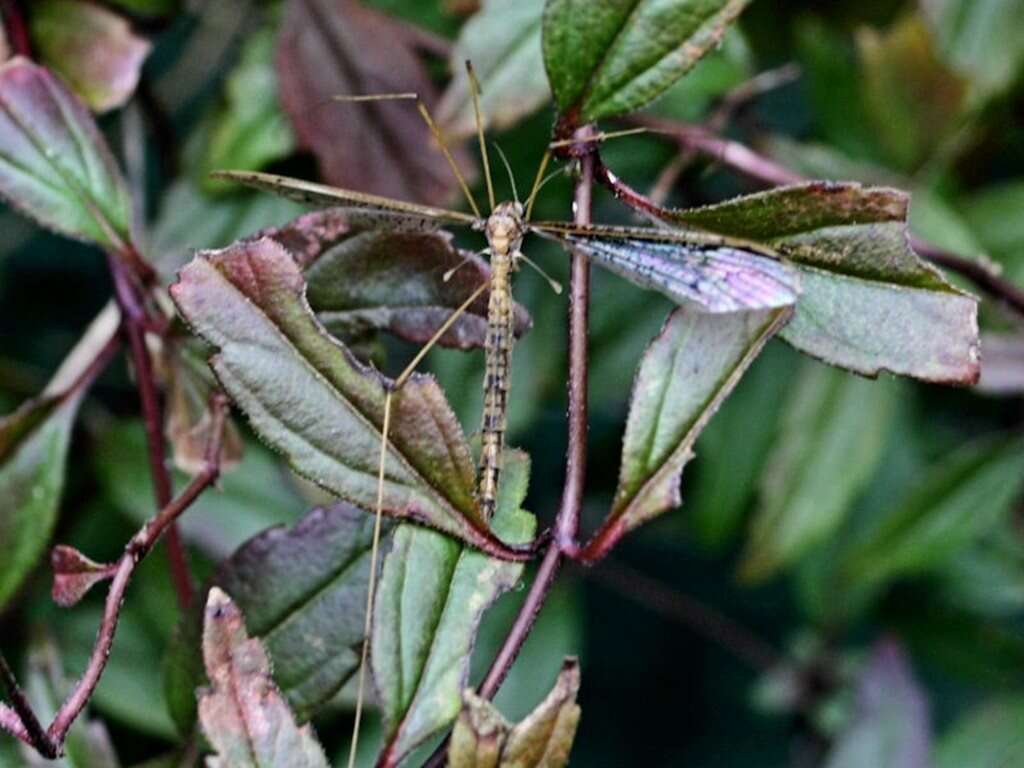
(504, 230)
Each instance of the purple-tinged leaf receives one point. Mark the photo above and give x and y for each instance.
(33, 451)
(361, 277)
(482, 738)
(74, 574)
(55, 166)
(243, 713)
(868, 303)
(307, 396)
(686, 373)
(93, 49)
(609, 57)
(891, 727)
(329, 48)
(432, 595)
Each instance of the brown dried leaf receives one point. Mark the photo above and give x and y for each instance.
(74, 574)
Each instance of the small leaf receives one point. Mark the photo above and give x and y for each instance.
(432, 595)
(891, 727)
(503, 42)
(329, 48)
(833, 433)
(74, 574)
(55, 166)
(307, 397)
(686, 373)
(243, 714)
(249, 130)
(963, 497)
(868, 303)
(987, 737)
(33, 451)
(88, 743)
(362, 277)
(609, 57)
(93, 49)
(483, 739)
(303, 592)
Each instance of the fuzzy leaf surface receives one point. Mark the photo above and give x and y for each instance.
(609, 57)
(311, 400)
(432, 595)
(685, 375)
(243, 714)
(868, 303)
(329, 48)
(55, 166)
(92, 48)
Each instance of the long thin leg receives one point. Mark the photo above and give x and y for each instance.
(435, 132)
(474, 89)
(375, 546)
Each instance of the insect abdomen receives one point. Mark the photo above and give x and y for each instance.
(497, 368)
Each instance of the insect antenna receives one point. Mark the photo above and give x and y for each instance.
(508, 169)
(434, 130)
(474, 89)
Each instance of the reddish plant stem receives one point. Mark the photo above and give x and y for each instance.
(755, 166)
(566, 526)
(24, 723)
(136, 319)
(17, 31)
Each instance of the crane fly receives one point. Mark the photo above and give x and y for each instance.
(714, 273)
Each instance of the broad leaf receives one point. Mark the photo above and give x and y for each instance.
(991, 213)
(483, 739)
(503, 42)
(988, 737)
(93, 49)
(339, 47)
(965, 496)
(88, 743)
(249, 130)
(33, 451)
(686, 373)
(868, 303)
(432, 595)
(54, 165)
(608, 57)
(307, 396)
(243, 714)
(303, 592)
(980, 40)
(74, 574)
(833, 433)
(361, 276)
(890, 727)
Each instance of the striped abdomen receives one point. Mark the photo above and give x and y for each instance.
(498, 349)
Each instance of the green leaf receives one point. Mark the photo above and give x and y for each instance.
(503, 42)
(303, 592)
(243, 714)
(55, 166)
(686, 373)
(609, 57)
(965, 496)
(833, 432)
(993, 215)
(249, 130)
(33, 452)
(147, 7)
(93, 49)
(307, 397)
(890, 728)
(432, 595)
(988, 577)
(868, 303)
(987, 737)
(980, 40)
(88, 743)
(483, 739)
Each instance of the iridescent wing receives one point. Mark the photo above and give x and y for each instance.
(720, 274)
(325, 196)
